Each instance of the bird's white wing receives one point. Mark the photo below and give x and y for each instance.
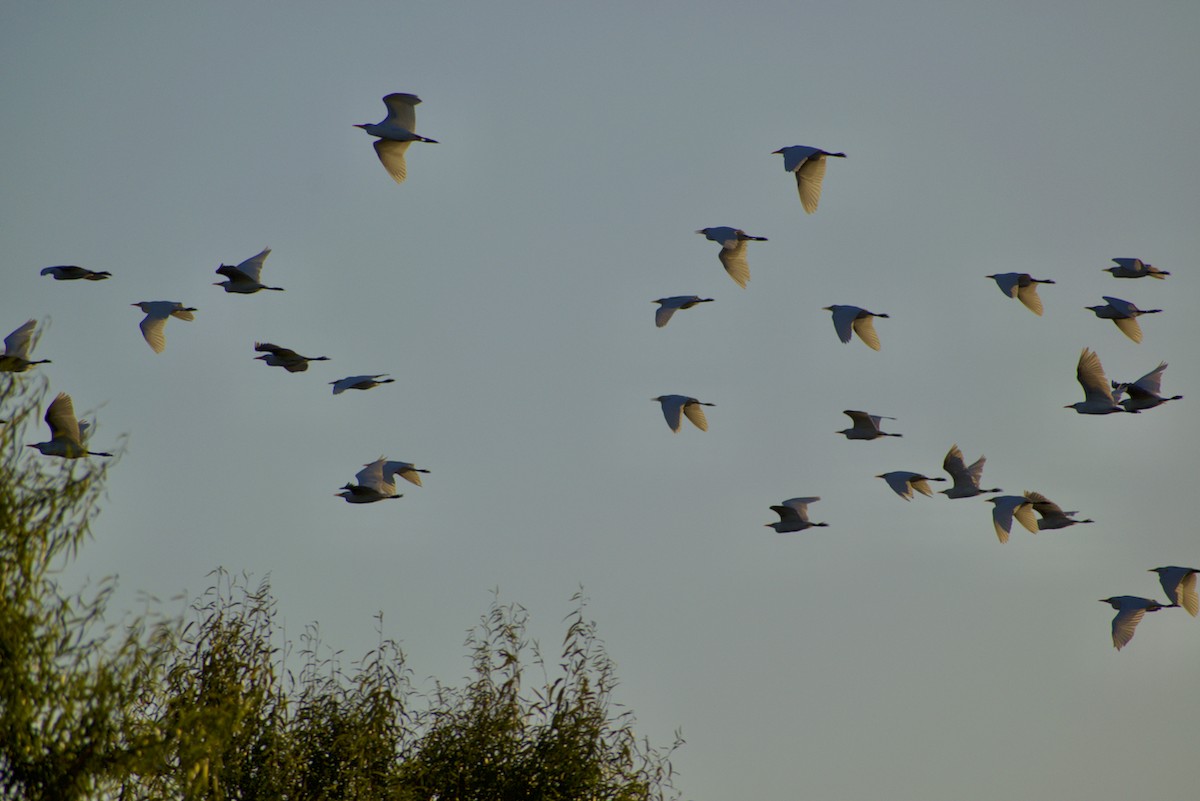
(179, 311)
(662, 315)
(17, 343)
(372, 475)
(1124, 624)
(1129, 327)
(863, 420)
(60, 416)
(1186, 596)
(391, 155)
(1151, 382)
(1025, 516)
(252, 267)
(695, 413)
(152, 326)
(404, 470)
(899, 482)
(672, 406)
(1009, 283)
(1029, 296)
(921, 485)
(1091, 377)
(402, 112)
(799, 506)
(787, 514)
(843, 320)
(809, 177)
(733, 258)
(953, 463)
(865, 328)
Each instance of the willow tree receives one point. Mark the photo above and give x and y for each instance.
(67, 680)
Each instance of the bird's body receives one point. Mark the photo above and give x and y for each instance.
(668, 307)
(67, 434)
(157, 312)
(1179, 583)
(852, 319)
(1143, 393)
(1130, 611)
(70, 272)
(359, 382)
(1124, 314)
(245, 278)
(793, 515)
(286, 358)
(1007, 507)
(1097, 394)
(966, 479)
(733, 250)
(808, 164)
(674, 407)
(1135, 268)
(1051, 515)
(866, 426)
(17, 345)
(1023, 287)
(395, 133)
(903, 482)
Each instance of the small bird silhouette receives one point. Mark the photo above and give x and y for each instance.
(733, 250)
(359, 382)
(157, 312)
(17, 345)
(1143, 393)
(1135, 268)
(673, 405)
(866, 426)
(1007, 507)
(286, 358)
(808, 164)
(395, 133)
(1124, 314)
(966, 479)
(847, 319)
(793, 515)
(1023, 287)
(1130, 611)
(246, 278)
(668, 306)
(1051, 514)
(69, 272)
(1097, 394)
(67, 435)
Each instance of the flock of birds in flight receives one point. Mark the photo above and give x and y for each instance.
(376, 481)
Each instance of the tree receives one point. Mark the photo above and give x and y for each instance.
(204, 706)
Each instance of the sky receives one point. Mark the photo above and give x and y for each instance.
(507, 286)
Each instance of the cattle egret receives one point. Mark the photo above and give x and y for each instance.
(375, 481)
(395, 133)
(852, 318)
(1130, 611)
(1179, 583)
(1143, 393)
(1124, 314)
(672, 405)
(1052, 515)
(733, 250)
(866, 426)
(69, 272)
(1135, 268)
(286, 358)
(1023, 287)
(17, 345)
(359, 382)
(66, 433)
(245, 279)
(668, 306)
(966, 479)
(793, 515)
(1007, 507)
(157, 312)
(1097, 395)
(903, 482)
(808, 163)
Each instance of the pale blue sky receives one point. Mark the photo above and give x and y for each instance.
(901, 653)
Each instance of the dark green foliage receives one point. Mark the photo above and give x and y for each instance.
(205, 708)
